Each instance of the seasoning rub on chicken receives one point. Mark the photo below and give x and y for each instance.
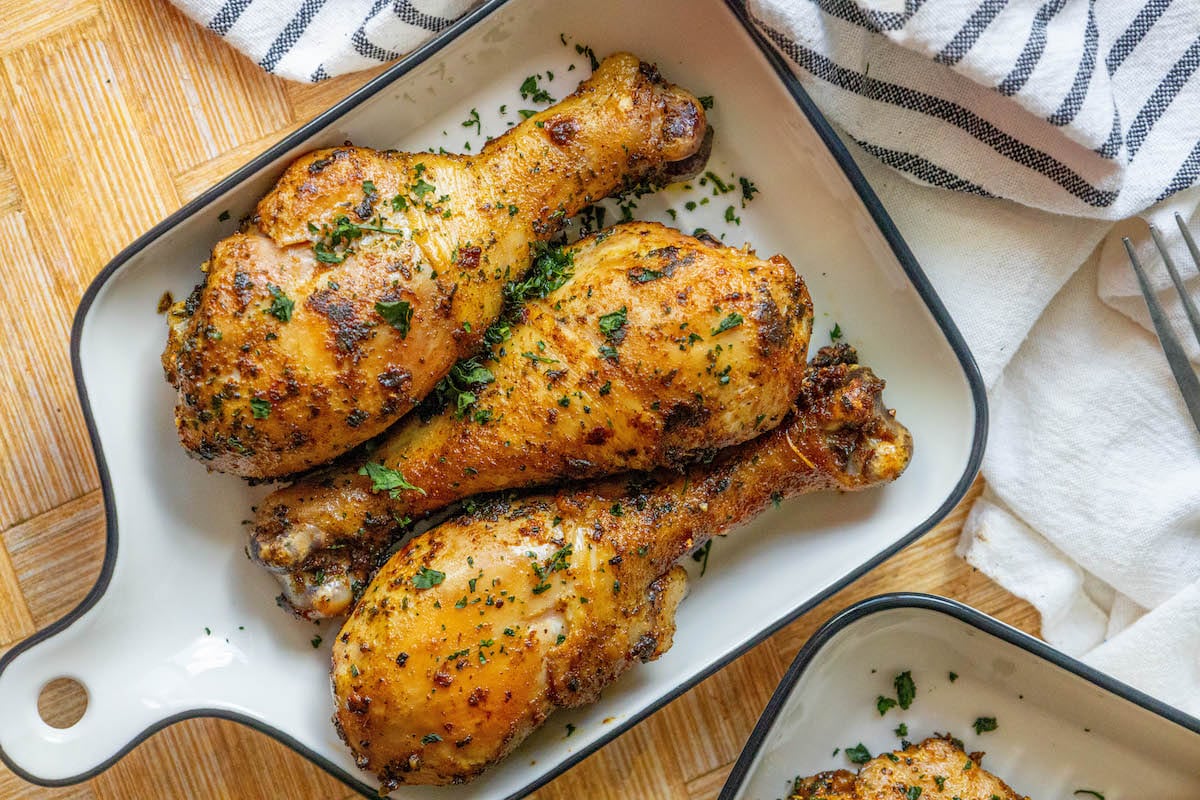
(643, 347)
(935, 769)
(475, 631)
(363, 276)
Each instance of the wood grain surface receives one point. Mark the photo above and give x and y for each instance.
(113, 113)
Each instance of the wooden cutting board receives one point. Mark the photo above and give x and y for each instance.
(113, 113)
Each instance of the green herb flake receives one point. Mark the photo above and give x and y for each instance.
(748, 190)
(706, 101)
(1091, 792)
(316, 642)
(430, 738)
(836, 332)
(611, 324)
(901, 730)
(984, 724)
(387, 479)
(397, 313)
(570, 729)
(281, 305)
(427, 578)
(261, 409)
(913, 792)
(906, 690)
(953, 677)
(472, 121)
(859, 754)
(531, 91)
(884, 704)
(731, 321)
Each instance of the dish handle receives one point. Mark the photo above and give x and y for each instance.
(120, 711)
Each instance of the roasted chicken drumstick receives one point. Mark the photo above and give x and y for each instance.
(659, 349)
(479, 628)
(364, 275)
(935, 769)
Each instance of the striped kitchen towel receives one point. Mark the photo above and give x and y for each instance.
(1072, 106)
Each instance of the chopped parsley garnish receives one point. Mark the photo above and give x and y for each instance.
(836, 332)
(731, 321)
(953, 677)
(859, 754)
(748, 190)
(913, 792)
(719, 186)
(701, 555)
(427, 578)
(731, 217)
(612, 324)
(606, 388)
(430, 738)
(558, 561)
(316, 642)
(386, 479)
(906, 690)
(473, 121)
(706, 101)
(587, 51)
(261, 409)
(1092, 792)
(332, 245)
(396, 313)
(526, 113)
(531, 91)
(985, 724)
(570, 729)
(224, 215)
(901, 729)
(884, 704)
(420, 189)
(552, 268)
(458, 388)
(281, 305)
(608, 351)
(369, 188)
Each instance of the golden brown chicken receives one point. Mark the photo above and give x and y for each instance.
(478, 629)
(935, 769)
(661, 348)
(364, 275)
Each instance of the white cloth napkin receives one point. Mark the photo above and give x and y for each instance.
(1019, 109)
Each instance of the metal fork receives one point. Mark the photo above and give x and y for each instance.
(1177, 358)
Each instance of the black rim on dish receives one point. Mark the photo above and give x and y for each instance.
(951, 608)
(870, 201)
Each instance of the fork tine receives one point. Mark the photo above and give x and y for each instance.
(1189, 384)
(1188, 305)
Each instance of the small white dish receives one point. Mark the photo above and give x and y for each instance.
(1063, 729)
(181, 624)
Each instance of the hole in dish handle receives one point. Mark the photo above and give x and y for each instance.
(114, 711)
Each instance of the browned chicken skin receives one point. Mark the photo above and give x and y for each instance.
(364, 275)
(662, 347)
(937, 767)
(478, 629)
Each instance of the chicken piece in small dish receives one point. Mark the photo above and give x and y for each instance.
(936, 769)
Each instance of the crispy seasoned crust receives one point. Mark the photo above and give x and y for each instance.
(935, 769)
(364, 275)
(618, 369)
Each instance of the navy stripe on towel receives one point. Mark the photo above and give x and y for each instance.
(952, 113)
(224, 19)
(290, 34)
